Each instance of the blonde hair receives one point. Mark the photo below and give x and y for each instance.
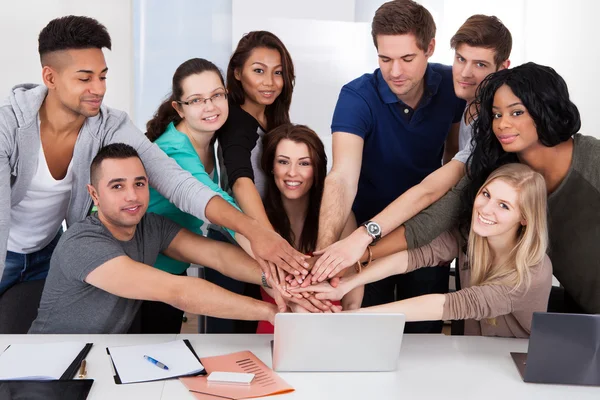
(532, 238)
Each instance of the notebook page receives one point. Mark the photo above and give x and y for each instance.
(133, 367)
(38, 360)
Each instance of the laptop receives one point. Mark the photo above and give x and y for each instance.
(563, 349)
(348, 342)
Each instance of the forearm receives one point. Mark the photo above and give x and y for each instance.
(393, 264)
(353, 299)
(220, 212)
(409, 204)
(394, 242)
(429, 307)
(419, 197)
(249, 200)
(233, 262)
(198, 296)
(335, 209)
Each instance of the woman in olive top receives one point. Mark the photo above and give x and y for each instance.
(184, 127)
(503, 266)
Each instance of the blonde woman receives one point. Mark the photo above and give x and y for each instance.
(508, 277)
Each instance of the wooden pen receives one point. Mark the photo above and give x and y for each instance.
(82, 371)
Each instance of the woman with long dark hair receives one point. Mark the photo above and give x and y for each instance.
(260, 82)
(296, 165)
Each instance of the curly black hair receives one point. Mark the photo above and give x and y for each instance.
(544, 94)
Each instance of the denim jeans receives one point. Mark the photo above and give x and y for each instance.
(27, 267)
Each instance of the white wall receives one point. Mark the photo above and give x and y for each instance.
(21, 22)
(329, 40)
(565, 35)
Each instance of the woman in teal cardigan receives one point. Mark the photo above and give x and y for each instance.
(183, 127)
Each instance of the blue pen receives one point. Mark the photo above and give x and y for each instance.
(156, 362)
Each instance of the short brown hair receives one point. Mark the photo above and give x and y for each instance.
(485, 31)
(400, 17)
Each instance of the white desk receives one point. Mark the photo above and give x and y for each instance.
(431, 367)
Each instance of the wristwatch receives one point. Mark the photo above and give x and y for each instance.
(373, 230)
(264, 282)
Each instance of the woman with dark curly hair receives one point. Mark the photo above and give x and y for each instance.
(526, 116)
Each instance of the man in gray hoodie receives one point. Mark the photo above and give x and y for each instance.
(49, 135)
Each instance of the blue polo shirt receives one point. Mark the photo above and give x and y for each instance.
(400, 148)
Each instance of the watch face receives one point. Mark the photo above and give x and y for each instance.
(373, 229)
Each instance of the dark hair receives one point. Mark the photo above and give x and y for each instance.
(545, 96)
(111, 151)
(165, 114)
(399, 17)
(487, 32)
(72, 32)
(273, 202)
(279, 112)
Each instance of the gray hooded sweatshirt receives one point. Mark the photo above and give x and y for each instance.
(20, 145)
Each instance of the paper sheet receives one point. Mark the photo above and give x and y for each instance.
(40, 361)
(265, 383)
(131, 365)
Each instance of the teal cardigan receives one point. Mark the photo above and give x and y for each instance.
(178, 146)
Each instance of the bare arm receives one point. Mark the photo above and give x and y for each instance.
(340, 190)
(429, 307)
(269, 248)
(409, 204)
(249, 200)
(127, 278)
(340, 187)
(225, 258)
(353, 299)
(451, 145)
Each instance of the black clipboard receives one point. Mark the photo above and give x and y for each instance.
(74, 366)
(117, 378)
(45, 390)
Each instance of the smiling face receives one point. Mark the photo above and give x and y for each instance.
(261, 76)
(120, 192)
(78, 79)
(402, 63)
(512, 124)
(200, 115)
(496, 211)
(293, 169)
(471, 66)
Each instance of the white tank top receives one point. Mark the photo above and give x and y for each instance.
(35, 221)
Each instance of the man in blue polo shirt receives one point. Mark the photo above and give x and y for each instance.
(391, 129)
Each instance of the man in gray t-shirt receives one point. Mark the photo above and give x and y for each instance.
(101, 268)
(69, 304)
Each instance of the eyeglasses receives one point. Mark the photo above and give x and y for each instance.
(199, 101)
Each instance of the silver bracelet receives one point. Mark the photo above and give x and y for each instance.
(264, 282)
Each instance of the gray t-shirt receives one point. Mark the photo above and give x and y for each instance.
(465, 133)
(69, 304)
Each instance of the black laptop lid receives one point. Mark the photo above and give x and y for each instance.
(564, 349)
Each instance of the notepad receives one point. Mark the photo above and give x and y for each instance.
(131, 366)
(41, 361)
